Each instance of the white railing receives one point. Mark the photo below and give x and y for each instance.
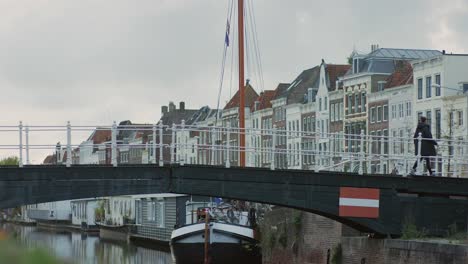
(218, 146)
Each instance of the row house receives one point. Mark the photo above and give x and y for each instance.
(260, 135)
(440, 94)
(366, 76)
(327, 112)
(293, 98)
(230, 117)
(278, 105)
(401, 123)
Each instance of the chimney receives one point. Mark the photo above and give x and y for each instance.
(443, 52)
(182, 105)
(172, 107)
(164, 109)
(374, 47)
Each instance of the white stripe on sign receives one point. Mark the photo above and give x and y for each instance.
(359, 202)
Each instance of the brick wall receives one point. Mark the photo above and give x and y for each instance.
(310, 238)
(359, 250)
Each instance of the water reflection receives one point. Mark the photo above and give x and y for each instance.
(80, 248)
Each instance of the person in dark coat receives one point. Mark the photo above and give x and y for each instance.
(427, 144)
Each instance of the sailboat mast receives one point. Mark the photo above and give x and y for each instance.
(241, 82)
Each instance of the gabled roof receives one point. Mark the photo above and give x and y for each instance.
(334, 71)
(250, 96)
(100, 135)
(202, 114)
(403, 75)
(298, 88)
(404, 54)
(264, 100)
(280, 89)
(176, 116)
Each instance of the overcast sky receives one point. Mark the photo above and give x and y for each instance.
(94, 61)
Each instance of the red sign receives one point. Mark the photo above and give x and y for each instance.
(359, 202)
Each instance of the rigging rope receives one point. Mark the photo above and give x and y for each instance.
(223, 63)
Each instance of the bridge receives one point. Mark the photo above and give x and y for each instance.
(186, 166)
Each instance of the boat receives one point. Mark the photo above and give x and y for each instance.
(219, 234)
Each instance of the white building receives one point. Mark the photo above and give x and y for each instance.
(83, 212)
(439, 86)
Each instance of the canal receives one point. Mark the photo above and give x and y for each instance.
(80, 248)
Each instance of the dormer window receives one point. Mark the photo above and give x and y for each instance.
(465, 87)
(356, 65)
(381, 85)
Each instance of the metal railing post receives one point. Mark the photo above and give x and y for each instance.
(273, 148)
(69, 158)
(382, 154)
(316, 155)
(20, 129)
(331, 150)
(153, 146)
(405, 153)
(114, 144)
(161, 161)
(182, 145)
(418, 161)
(455, 162)
(212, 161)
(228, 145)
(26, 132)
(369, 151)
(173, 143)
(361, 156)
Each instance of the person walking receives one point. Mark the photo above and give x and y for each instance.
(427, 145)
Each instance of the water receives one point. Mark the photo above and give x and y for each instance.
(77, 248)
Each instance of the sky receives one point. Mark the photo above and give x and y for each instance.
(95, 61)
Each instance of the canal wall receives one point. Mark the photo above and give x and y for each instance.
(362, 250)
(293, 237)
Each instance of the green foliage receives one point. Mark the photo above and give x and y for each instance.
(99, 212)
(12, 253)
(410, 231)
(454, 233)
(297, 221)
(283, 238)
(349, 60)
(337, 255)
(272, 241)
(10, 161)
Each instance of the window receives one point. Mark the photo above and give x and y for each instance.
(138, 213)
(160, 215)
(373, 117)
(320, 104)
(460, 118)
(393, 111)
(151, 212)
(333, 112)
(420, 88)
(400, 110)
(326, 103)
(363, 102)
(381, 86)
(379, 114)
(428, 117)
(419, 115)
(357, 104)
(350, 104)
(402, 141)
(385, 112)
(437, 81)
(465, 87)
(408, 108)
(428, 87)
(438, 123)
(341, 111)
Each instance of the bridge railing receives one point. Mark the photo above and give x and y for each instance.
(218, 146)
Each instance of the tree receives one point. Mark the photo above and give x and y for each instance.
(10, 161)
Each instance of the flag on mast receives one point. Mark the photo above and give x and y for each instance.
(226, 39)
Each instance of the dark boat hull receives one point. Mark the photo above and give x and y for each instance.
(222, 253)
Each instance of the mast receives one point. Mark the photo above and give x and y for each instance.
(241, 83)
